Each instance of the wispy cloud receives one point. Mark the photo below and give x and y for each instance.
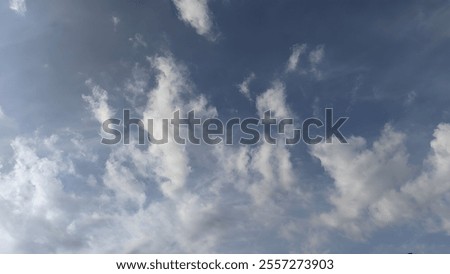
(274, 99)
(244, 86)
(115, 20)
(19, 6)
(171, 161)
(2, 114)
(98, 102)
(294, 59)
(138, 40)
(410, 98)
(316, 55)
(197, 14)
(315, 58)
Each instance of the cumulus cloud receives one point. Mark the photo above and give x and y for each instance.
(19, 6)
(374, 188)
(32, 197)
(197, 14)
(265, 170)
(175, 198)
(188, 198)
(425, 196)
(158, 176)
(361, 177)
(244, 86)
(48, 205)
(362, 201)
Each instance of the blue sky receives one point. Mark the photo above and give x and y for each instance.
(69, 65)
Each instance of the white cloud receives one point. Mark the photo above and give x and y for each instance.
(33, 203)
(244, 86)
(273, 162)
(261, 173)
(273, 165)
(121, 178)
(98, 102)
(171, 162)
(156, 198)
(179, 220)
(294, 59)
(315, 58)
(173, 198)
(43, 211)
(427, 195)
(374, 187)
(274, 99)
(146, 188)
(197, 14)
(19, 6)
(265, 170)
(361, 177)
